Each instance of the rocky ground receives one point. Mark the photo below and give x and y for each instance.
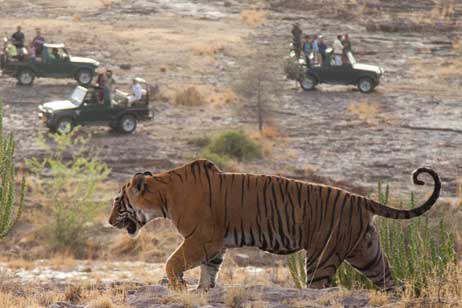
(412, 119)
(334, 133)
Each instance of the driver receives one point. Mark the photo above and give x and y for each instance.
(137, 92)
(55, 54)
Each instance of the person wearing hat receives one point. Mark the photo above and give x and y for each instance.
(137, 92)
(37, 43)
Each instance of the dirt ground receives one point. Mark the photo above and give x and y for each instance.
(334, 133)
(335, 130)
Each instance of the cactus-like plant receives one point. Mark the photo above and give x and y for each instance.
(10, 211)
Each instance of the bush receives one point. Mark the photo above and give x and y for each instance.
(8, 215)
(222, 161)
(235, 145)
(415, 249)
(201, 141)
(67, 178)
(189, 97)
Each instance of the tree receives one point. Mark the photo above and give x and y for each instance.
(259, 85)
(10, 211)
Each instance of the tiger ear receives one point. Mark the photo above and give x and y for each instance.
(148, 173)
(138, 183)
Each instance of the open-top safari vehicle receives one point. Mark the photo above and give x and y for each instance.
(84, 107)
(365, 77)
(54, 62)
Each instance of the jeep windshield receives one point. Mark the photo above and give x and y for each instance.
(351, 58)
(78, 95)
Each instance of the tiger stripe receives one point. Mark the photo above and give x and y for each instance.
(215, 210)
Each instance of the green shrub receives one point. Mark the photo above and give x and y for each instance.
(222, 161)
(415, 249)
(227, 146)
(201, 141)
(236, 145)
(67, 177)
(8, 215)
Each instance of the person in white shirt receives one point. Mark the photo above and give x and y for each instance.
(137, 92)
(338, 50)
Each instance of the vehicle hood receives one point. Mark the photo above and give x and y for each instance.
(57, 105)
(367, 67)
(84, 60)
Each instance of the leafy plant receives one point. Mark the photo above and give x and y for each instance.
(236, 145)
(68, 177)
(227, 146)
(416, 249)
(8, 214)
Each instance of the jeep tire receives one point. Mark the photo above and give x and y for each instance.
(127, 124)
(84, 77)
(307, 82)
(64, 125)
(366, 85)
(26, 77)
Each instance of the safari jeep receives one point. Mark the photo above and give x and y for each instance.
(55, 62)
(84, 107)
(365, 77)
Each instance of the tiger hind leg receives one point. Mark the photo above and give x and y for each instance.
(320, 273)
(369, 259)
(209, 271)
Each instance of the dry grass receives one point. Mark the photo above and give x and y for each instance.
(102, 301)
(210, 49)
(253, 18)
(225, 97)
(236, 297)
(20, 264)
(8, 300)
(73, 294)
(187, 299)
(442, 292)
(368, 112)
(189, 97)
(365, 111)
(378, 299)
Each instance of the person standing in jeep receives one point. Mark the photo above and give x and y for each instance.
(37, 43)
(296, 39)
(18, 39)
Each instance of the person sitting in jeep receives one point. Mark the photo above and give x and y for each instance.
(10, 49)
(55, 54)
(137, 93)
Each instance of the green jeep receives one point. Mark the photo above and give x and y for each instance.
(55, 62)
(85, 107)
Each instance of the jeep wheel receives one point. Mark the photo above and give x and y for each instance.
(84, 77)
(366, 85)
(26, 77)
(307, 82)
(127, 124)
(64, 126)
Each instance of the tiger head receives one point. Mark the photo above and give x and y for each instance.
(136, 204)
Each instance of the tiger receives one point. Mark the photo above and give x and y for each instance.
(215, 210)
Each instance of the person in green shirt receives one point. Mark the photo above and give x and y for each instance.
(11, 50)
